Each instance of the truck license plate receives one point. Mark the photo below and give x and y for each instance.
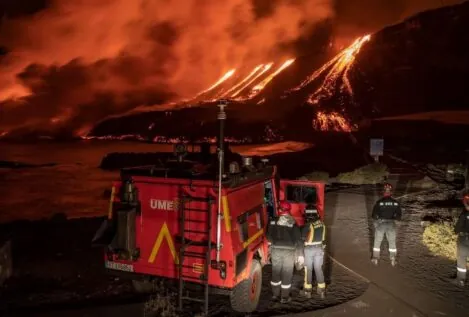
(119, 266)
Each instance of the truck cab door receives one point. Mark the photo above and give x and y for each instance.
(299, 194)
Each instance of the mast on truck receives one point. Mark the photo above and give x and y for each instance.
(221, 156)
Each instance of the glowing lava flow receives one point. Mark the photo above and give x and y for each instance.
(262, 84)
(264, 69)
(331, 122)
(335, 74)
(242, 82)
(337, 68)
(219, 82)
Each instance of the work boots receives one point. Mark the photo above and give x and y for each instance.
(375, 261)
(458, 282)
(321, 292)
(283, 300)
(306, 293)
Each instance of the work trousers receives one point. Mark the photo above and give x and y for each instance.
(385, 228)
(462, 254)
(283, 261)
(314, 259)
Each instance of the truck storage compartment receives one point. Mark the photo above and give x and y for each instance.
(124, 241)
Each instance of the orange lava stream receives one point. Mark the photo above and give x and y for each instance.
(336, 72)
(262, 84)
(219, 82)
(340, 70)
(317, 73)
(264, 69)
(337, 67)
(331, 122)
(242, 82)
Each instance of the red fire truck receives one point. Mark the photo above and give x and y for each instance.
(182, 221)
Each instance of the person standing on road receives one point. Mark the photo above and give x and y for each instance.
(284, 235)
(462, 230)
(385, 213)
(314, 237)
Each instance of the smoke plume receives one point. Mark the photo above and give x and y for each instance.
(79, 60)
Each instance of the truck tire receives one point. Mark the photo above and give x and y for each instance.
(245, 296)
(143, 286)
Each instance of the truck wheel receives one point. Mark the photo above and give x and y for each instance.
(143, 286)
(245, 296)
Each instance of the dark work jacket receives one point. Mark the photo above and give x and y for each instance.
(313, 233)
(462, 225)
(387, 208)
(283, 233)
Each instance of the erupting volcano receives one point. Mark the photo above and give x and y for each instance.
(263, 56)
(247, 87)
(334, 75)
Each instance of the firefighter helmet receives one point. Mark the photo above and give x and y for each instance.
(311, 213)
(285, 208)
(387, 187)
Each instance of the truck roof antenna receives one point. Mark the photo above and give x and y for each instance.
(221, 141)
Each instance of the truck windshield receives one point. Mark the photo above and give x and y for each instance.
(301, 194)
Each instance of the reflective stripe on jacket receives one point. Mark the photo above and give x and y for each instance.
(314, 233)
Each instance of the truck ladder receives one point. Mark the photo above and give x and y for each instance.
(187, 244)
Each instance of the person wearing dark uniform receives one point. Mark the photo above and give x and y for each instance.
(314, 236)
(385, 213)
(462, 230)
(284, 235)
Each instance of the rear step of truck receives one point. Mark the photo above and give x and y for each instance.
(186, 244)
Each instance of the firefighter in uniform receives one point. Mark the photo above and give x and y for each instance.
(314, 237)
(462, 230)
(385, 213)
(284, 235)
